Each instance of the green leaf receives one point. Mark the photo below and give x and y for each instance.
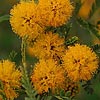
(68, 94)
(5, 17)
(77, 6)
(89, 27)
(49, 97)
(1, 85)
(93, 9)
(71, 41)
(38, 97)
(88, 88)
(12, 55)
(59, 98)
(63, 30)
(27, 98)
(96, 48)
(62, 93)
(97, 2)
(66, 98)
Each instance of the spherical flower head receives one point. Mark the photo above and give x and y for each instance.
(24, 21)
(49, 45)
(10, 78)
(80, 62)
(47, 75)
(54, 12)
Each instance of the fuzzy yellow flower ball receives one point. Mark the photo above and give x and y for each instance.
(24, 20)
(54, 12)
(48, 45)
(80, 62)
(10, 79)
(47, 75)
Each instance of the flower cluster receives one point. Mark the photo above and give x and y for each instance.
(9, 79)
(79, 62)
(30, 19)
(60, 67)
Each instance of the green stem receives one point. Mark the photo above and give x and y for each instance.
(4, 17)
(23, 52)
(25, 77)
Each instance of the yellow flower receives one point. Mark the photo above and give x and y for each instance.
(10, 78)
(54, 12)
(24, 20)
(85, 8)
(48, 45)
(80, 62)
(47, 75)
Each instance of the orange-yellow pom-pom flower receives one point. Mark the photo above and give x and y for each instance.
(80, 62)
(48, 45)
(54, 12)
(47, 75)
(10, 78)
(24, 20)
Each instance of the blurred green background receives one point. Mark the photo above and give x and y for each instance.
(9, 42)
